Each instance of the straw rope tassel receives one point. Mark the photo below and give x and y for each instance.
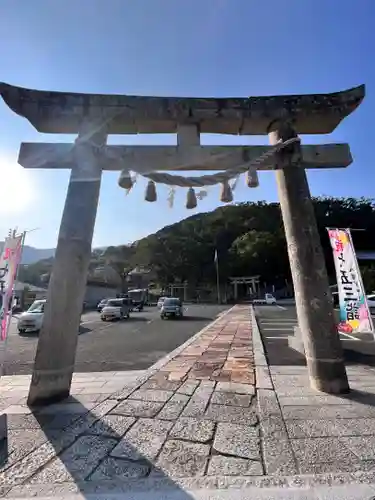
(226, 195)
(151, 192)
(125, 181)
(252, 179)
(191, 199)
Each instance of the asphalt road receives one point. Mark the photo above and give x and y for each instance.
(133, 344)
(276, 323)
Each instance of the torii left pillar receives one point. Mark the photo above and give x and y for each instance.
(55, 355)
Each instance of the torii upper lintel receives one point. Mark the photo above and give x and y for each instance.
(63, 112)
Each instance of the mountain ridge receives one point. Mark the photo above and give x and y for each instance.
(31, 255)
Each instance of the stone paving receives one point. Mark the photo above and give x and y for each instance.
(327, 434)
(210, 414)
(193, 416)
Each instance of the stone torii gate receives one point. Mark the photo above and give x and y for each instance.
(93, 117)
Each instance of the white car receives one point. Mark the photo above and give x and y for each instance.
(161, 302)
(31, 320)
(115, 309)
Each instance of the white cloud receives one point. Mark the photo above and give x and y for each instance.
(17, 190)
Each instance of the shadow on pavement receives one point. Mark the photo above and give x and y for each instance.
(132, 319)
(83, 329)
(31, 335)
(83, 451)
(355, 357)
(278, 353)
(136, 318)
(359, 396)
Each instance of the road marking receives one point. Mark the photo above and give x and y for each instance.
(281, 307)
(278, 322)
(349, 336)
(276, 338)
(100, 329)
(276, 329)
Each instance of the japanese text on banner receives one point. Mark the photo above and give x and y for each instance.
(354, 312)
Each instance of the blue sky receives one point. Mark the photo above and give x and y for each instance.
(180, 48)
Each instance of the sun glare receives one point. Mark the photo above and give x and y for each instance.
(16, 191)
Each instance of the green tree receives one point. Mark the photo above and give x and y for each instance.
(120, 259)
(249, 238)
(261, 253)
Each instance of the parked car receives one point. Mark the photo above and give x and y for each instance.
(115, 309)
(101, 304)
(172, 307)
(31, 320)
(161, 302)
(269, 299)
(371, 302)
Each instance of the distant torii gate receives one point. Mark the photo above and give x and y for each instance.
(252, 281)
(93, 117)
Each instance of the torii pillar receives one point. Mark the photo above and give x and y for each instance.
(92, 117)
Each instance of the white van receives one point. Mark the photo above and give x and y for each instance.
(116, 309)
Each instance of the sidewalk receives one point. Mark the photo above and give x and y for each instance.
(208, 421)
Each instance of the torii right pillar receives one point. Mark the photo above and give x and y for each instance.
(317, 325)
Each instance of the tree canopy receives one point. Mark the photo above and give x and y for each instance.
(249, 239)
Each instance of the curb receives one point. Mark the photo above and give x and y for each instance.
(262, 372)
(356, 486)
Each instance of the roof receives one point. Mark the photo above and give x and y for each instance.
(62, 112)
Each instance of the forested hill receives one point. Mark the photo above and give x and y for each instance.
(249, 238)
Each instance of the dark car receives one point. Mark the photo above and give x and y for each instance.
(172, 307)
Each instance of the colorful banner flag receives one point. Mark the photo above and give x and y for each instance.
(10, 258)
(355, 316)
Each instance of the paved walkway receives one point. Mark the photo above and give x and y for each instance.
(86, 388)
(210, 417)
(192, 415)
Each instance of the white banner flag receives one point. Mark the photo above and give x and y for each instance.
(10, 258)
(354, 312)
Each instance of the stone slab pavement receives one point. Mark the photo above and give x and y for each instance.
(204, 422)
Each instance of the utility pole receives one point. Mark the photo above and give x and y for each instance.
(323, 350)
(217, 277)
